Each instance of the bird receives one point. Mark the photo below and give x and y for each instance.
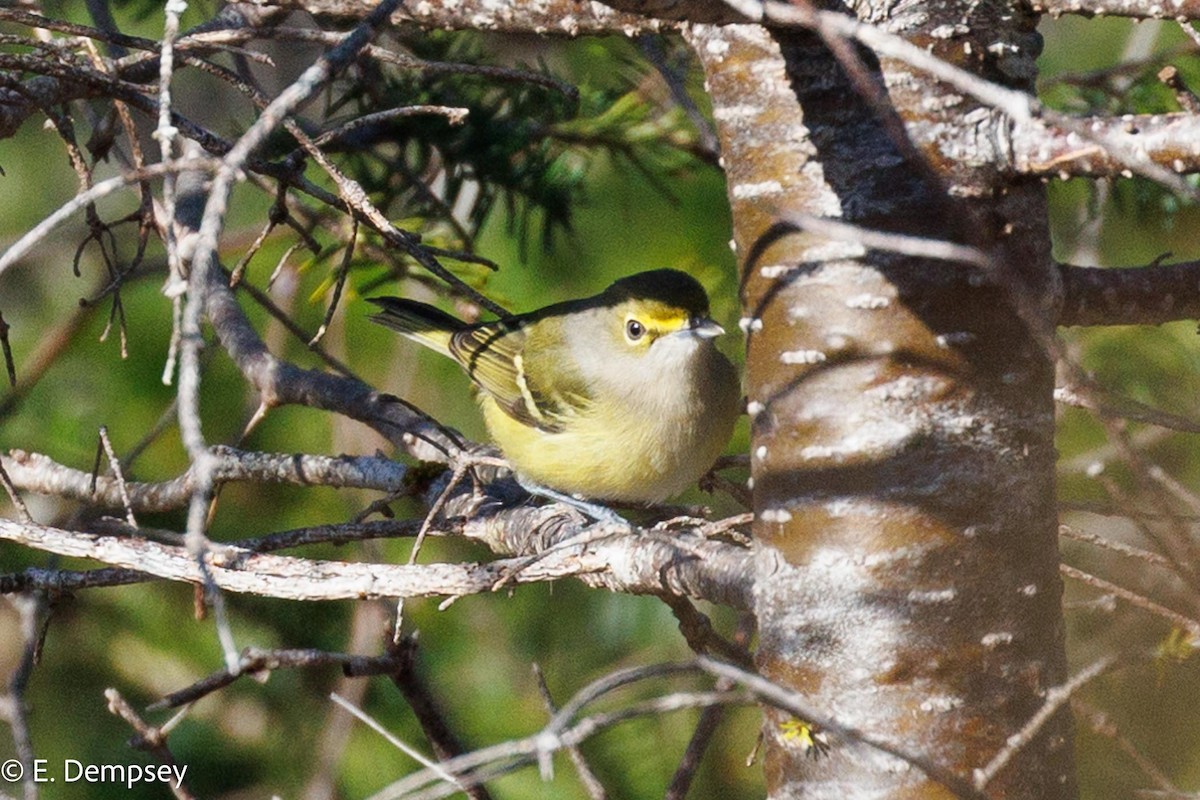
(621, 397)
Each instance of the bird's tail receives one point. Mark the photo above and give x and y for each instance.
(422, 323)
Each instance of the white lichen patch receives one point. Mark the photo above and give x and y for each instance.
(717, 47)
(941, 703)
(772, 271)
(802, 357)
(868, 301)
(905, 388)
(736, 112)
(954, 339)
(946, 595)
(747, 191)
(949, 31)
(748, 324)
(776, 515)
(994, 640)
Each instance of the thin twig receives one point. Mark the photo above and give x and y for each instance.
(254, 661)
(14, 496)
(562, 731)
(30, 238)
(697, 629)
(706, 726)
(1174, 617)
(10, 365)
(1056, 698)
(456, 477)
(1103, 725)
(1115, 546)
(795, 704)
(339, 281)
(34, 617)
(393, 740)
(591, 783)
(114, 464)
(148, 737)
(420, 699)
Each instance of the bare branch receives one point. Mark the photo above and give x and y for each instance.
(561, 732)
(640, 563)
(11, 490)
(1177, 9)
(1144, 556)
(1149, 295)
(19, 248)
(148, 737)
(34, 614)
(1056, 697)
(38, 473)
(1174, 617)
(794, 703)
(546, 17)
(1125, 408)
(419, 697)
(591, 783)
(706, 727)
(254, 660)
(1102, 725)
(114, 464)
(10, 366)
(1105, 147)
(459, 786)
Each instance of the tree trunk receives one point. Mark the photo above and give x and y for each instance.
(903, 422)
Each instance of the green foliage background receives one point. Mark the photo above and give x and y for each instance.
(625, 214)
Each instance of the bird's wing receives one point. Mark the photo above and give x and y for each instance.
(542, 390)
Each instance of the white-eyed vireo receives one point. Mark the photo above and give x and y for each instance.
(621, 396)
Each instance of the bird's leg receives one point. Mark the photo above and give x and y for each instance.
(594, 510)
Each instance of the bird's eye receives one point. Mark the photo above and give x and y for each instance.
(634, 330)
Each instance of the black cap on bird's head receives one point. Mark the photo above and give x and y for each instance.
(670, 287)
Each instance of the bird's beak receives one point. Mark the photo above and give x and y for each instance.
(704, 328)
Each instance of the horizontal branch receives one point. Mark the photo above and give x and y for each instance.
(546, 17)
(238, 570)
(1149, 295)
(1138, 9)
(611, 556)
(38, 473)
(1040, 147)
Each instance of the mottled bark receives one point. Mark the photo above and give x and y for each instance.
(902, 417)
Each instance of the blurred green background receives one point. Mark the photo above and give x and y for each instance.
(657, 208)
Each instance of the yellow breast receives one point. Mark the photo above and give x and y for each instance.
(621, 453)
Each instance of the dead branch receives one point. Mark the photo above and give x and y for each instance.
(1178, 9)
(625, 560)
(35, 472)
(1149, 295)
